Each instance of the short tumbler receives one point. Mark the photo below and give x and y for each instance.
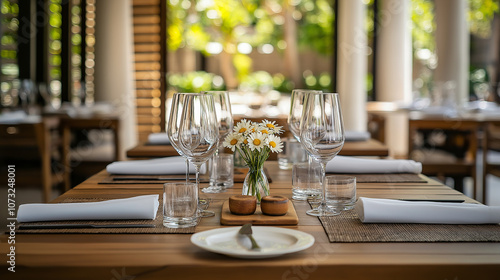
(180, 202)
(223, 171)
(293, 153)
(306, 181)
(340, 192)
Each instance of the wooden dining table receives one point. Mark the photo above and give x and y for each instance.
(369, 148)
(173, 256)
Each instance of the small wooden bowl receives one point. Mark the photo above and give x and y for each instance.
(242, 204)
(274, 205)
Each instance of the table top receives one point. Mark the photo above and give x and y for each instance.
(170, 256)
(370, 147)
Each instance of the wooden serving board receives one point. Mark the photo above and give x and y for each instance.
(229, 219)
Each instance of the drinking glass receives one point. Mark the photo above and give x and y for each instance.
(340, 192)
(306, 181)
(199, 133)
(322, 134)
(180, 202)
(293, 153)
(225, 124)
(223, 170)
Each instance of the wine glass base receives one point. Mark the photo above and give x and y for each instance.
(322, 212)
(205, 213)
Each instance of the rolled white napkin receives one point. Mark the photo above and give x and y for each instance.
(139, 207)
(374, 210)
(345, 164)
(357, 135)
(157, 166)
(158, 138)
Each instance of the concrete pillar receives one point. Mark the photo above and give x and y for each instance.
(114, 77)
(394, 68)
(452, 46)
(352, 63)
(394, 52)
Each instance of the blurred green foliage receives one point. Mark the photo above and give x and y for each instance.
(259, 81)
(195, 82)
(481, 12)
(194, 24)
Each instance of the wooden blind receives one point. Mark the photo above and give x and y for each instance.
(150, 65)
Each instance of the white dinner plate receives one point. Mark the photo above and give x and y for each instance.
(274, 241)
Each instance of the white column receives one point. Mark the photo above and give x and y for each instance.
(352, 60)
(394, 68)
(394, 52)
(452, 46)
(114, 77)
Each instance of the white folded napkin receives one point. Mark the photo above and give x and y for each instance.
(356, 135)
(373, 210)
(139, 207)
(157, 166)
(346, 164)
(158, 138)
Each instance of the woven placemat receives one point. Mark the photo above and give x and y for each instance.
(386, 178)
(347, 228)
(158, 222)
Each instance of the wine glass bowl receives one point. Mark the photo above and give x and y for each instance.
(297, 101)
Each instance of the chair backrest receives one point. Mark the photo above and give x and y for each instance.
(492, 136)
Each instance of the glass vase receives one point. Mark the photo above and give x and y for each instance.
(256, 183)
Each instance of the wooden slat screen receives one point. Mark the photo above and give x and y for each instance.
(150, 65)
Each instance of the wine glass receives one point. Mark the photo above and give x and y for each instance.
(174, 122)
(199, 133)
(297, 101)
(225, 124)
(173, 126)
(322, 135)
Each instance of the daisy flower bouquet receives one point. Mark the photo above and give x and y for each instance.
(253, 142)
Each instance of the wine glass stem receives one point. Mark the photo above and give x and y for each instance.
(197, 168)
(187, 170)
(323, 184)
(309, 160)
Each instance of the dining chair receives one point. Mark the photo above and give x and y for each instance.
(29, 147)
(446, 148)
(491, 154)
(93, 158)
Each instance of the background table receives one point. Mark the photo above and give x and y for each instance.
(370, 147)
(172, 256)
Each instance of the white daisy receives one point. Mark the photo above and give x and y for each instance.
(243, 126)
(275, 144)
(256, 141)
(264, 130)
(232, 141)
(272, 127)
